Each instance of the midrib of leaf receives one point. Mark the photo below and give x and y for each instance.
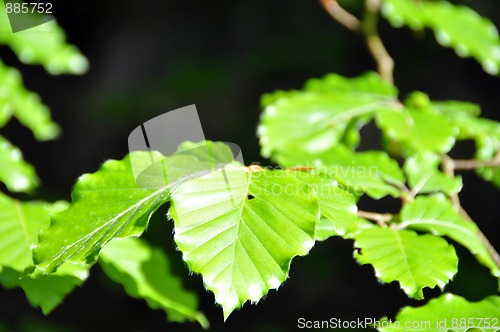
(22, 221)
(403, 251)
(132, 208)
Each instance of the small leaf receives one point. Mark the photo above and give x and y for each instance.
(327, 112)
(371, 172)
(456, 26)
(436, 214)
(19, 226)
(44, 44)
(449, 312)
(145, 273)
(107, 204)
(415, 261)
(424, 176)
(337, 206)
(418, 130)
(243, 247)
(25, 105)
(18, 175)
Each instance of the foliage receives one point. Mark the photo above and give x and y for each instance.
(240, 226)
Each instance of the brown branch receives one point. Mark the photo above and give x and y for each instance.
(385, 63)
(471, 164)
(449, 167)
(379, 218)
(341, 15)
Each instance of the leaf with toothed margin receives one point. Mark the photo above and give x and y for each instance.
(24, 105)
(451, 312)
(145, 273)
(418, 130)
(106, 204)
(337, 207)
(240, 230)
(18, 175)
(424, 176)
(20, 223)
(436, 214)
(456, 26)
(326, 112)
(415, 261)
(43, 44)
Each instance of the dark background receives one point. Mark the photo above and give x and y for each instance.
(148, 58)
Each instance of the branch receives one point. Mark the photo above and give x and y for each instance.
(471, 164)
(449, 167)
(385, 64)
(379, 218)
(341, 15)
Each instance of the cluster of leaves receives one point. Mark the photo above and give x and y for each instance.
(240, 227)
(21, 221)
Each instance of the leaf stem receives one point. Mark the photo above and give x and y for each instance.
(385, 63)
(341, 15)
(380, 218)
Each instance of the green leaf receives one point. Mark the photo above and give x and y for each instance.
(422, 172)
(19, 226)
(337, 206)
(415, 261)
(18, 175)
(372, 172)
(241, 229)
(26, 106)
(107, 204)
(145, 273)
(449, 312)
(456, 26)
(485, 132)
(44, 44)
(325, 113)
(46, 291)
(368, 83)
(436, 214)
(419, 130)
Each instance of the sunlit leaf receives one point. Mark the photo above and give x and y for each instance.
(424, 176)
(415, 261)
(337, 206)
(107, 204)
(19, 225)
(418, 130)
(436, 214)
(18, 175)
(241, 229)
(24, 105)
(456, 26)
(44, 44)
(327, 112)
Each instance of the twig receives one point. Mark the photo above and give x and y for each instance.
(484, 240)
(385, 64)
(341, 15)
(449, 167)
(470, 164)
(380, 218)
